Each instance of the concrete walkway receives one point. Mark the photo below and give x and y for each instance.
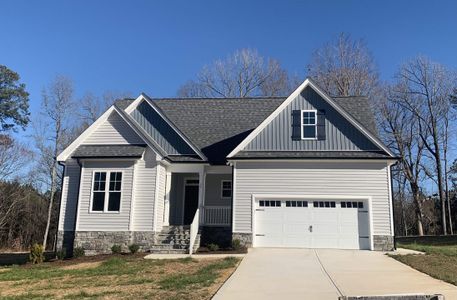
(325, 274)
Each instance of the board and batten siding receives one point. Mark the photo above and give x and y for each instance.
(168, 139)
(100, 221)
(312, 178)
(144, 195)
(70, 187)
(113, 131)
(340, 134)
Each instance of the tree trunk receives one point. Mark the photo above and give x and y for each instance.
(446, 179)
(439, 173)
(417, 201)
(53, 186)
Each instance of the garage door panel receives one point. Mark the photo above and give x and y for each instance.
(312, 224)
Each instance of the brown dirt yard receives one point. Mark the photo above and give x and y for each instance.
(117, 277)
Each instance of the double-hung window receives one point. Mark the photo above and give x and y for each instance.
(226, 189)
(106, 191)
(309, 124)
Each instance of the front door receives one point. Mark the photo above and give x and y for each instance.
(190, 200)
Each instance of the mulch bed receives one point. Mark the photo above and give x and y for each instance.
(204, 250)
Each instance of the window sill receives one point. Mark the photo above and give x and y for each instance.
(105, 212)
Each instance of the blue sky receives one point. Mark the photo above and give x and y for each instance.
(155, 46)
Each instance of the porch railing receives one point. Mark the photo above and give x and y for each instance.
(217, 215)
(194, 231)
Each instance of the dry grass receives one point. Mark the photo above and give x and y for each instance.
(118, 277)
(439, 262)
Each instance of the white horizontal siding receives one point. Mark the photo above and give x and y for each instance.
(145, 182)
(113, 131)
(311, 178)
(69, 198)
(161, 173)
(88, 221)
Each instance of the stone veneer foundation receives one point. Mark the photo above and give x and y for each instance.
(100, 242)
(383, 242)
(380, 242)
(244, 238)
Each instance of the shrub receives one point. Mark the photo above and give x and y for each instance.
(116, 249)
(78, 252)
(236, 244)
(213, 247)
(37, 254)
(134, 248)
(61, 254)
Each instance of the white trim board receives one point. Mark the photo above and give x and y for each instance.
(65, 154)
(289, 99)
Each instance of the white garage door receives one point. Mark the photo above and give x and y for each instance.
(312, 224)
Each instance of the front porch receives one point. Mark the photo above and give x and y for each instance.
(198, 200)
(206, 190)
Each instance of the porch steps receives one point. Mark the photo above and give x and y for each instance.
(172, 240)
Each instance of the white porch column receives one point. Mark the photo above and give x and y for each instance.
(201, 192)
(166, 204)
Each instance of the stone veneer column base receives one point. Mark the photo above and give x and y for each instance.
(244, 238)
(383, 243)
(100, 242)
(65, 241)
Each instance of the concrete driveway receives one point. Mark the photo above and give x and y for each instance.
(272, 273)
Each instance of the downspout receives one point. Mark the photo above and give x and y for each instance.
(77, 203)
(60, 207)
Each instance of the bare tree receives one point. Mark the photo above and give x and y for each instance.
(50, 136)
(398, 129)
(92, 106)
(13, 157)
(345, 67)
(242, 74)
(425, 89)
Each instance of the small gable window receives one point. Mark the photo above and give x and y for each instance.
(309, 124)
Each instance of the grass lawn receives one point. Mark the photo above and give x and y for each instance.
(116, 277)
(440, 260)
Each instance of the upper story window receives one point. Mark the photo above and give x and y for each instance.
(106, 191)
(309, 124)
(226, 189)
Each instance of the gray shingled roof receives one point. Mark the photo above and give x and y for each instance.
(311, 154)
(360, 109)
(92, 151)
(217, 126)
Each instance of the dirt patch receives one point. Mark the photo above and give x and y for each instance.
(134, 278)
(82, 266)
(4, 270)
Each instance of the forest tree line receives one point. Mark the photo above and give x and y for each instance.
(415, 111)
